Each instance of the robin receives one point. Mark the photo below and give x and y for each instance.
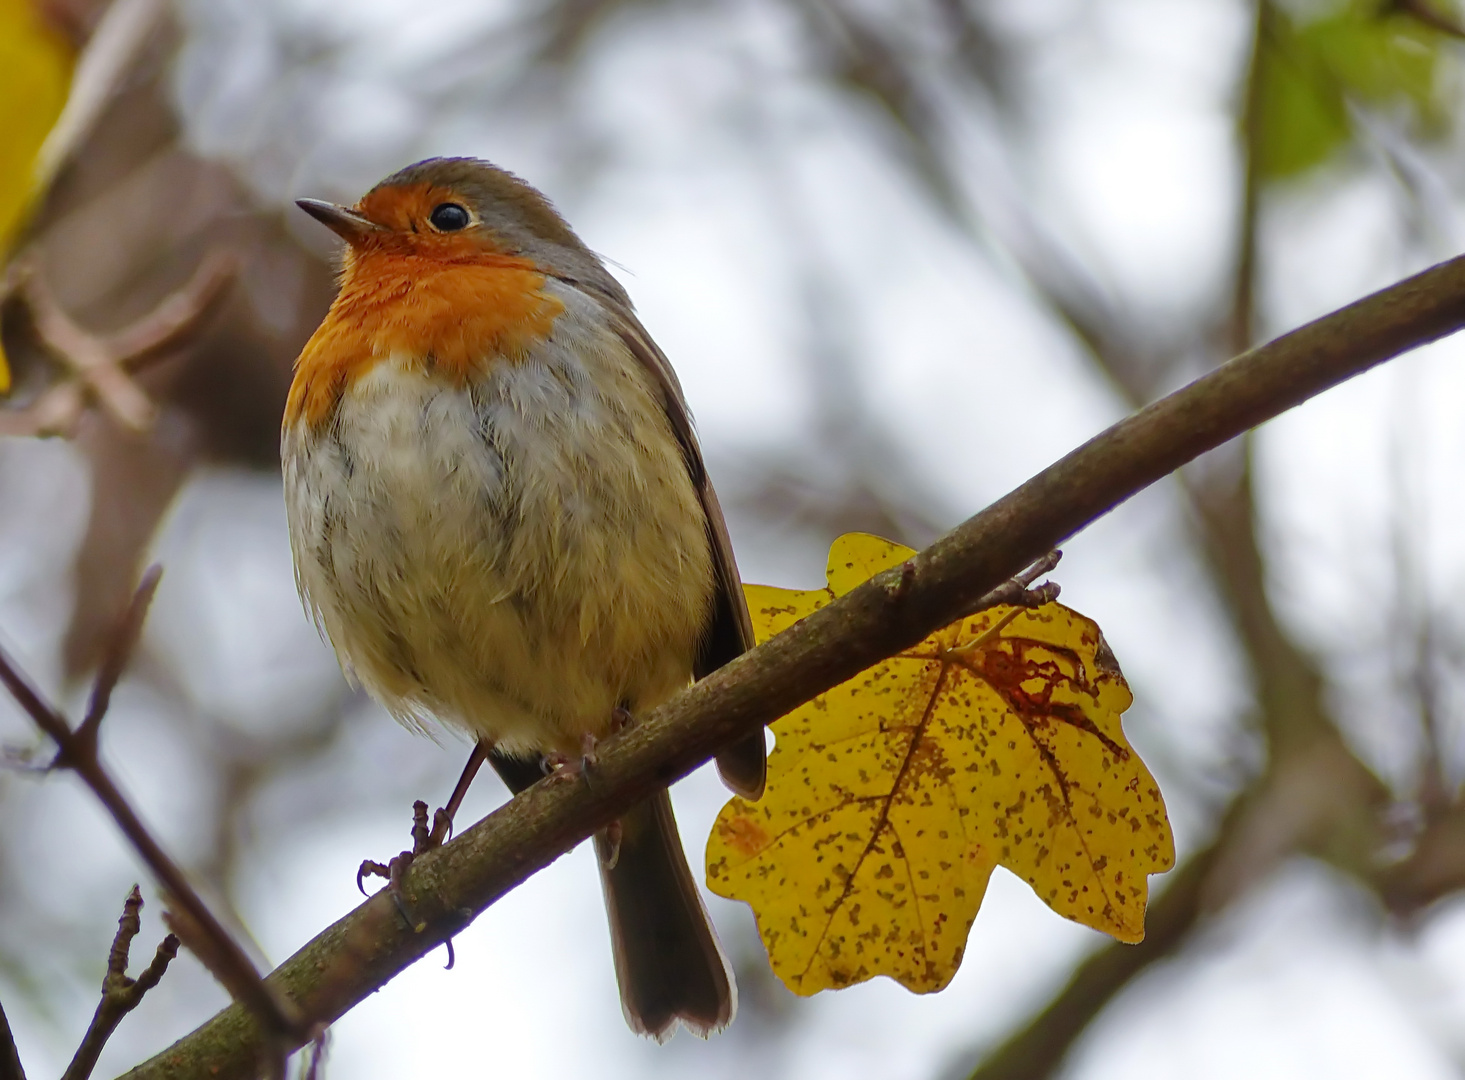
(501, 519)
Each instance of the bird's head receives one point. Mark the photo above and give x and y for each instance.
(462, 210)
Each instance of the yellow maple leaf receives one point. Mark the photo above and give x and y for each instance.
(891, 798)
(35, 76)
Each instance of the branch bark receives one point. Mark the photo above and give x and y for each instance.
(449, 887)
(120, 994)
(190, 918)
(10, 1068)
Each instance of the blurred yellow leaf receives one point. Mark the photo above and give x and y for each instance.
(891, 798)
(35, 74)
(1311, 72)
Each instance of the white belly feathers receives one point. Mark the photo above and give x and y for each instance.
(516, 556)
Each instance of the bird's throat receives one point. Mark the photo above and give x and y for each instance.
(452, 317)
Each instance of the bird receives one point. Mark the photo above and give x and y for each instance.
(501, 520)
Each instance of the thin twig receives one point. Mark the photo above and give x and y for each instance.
(222, 953)
(120, 995)
(99, 367)
(1018, 591)
(448, 887)
(92, 363)
(114, 660)
(1242, 317)
(176, 316)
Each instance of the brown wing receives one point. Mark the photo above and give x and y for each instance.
(742, 765)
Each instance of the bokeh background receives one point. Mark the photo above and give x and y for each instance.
(903, 253)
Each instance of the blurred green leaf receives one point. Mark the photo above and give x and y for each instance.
(1310, 72)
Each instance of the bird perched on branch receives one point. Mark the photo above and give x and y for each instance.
(501, 519)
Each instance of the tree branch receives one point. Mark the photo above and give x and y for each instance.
(99, 367)
(120, 995)
(10, 1068)
(77, 751)
(1242, 320)
(449, 887)
(1434, 868)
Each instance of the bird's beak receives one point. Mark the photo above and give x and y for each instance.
(341, 220)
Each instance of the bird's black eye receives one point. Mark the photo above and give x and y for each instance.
(448, 217)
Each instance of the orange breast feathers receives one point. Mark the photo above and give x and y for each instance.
(450, 317)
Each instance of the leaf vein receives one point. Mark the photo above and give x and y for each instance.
(884, 818)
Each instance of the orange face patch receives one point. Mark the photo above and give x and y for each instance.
(400, 208)
(448, 316)
(403, 212)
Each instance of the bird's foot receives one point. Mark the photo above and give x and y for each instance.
(396, 870)
(564, 767)
(423, 841)
(561, 767)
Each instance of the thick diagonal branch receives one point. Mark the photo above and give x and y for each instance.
(449, 887)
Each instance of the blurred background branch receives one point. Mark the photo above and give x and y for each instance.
(98, 369)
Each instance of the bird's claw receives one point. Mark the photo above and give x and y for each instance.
(396, 870)
(371, 869)
(562, 768)
(424, 840)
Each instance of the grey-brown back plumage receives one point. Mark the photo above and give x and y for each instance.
(729, 634)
